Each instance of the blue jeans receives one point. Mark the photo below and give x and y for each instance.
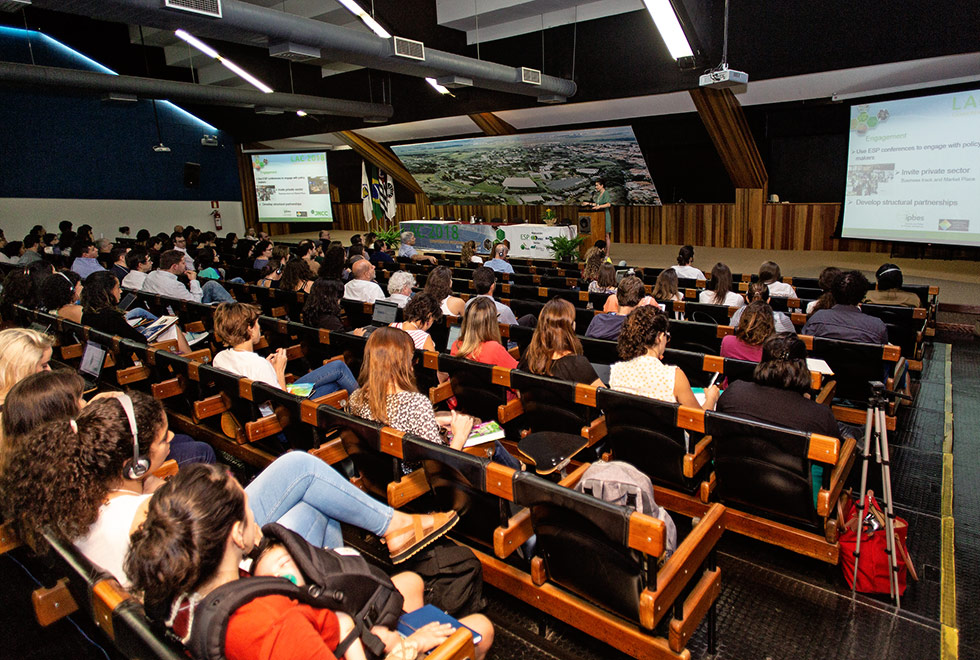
(214, 293)
(140, 313)
(185, 450)
(329, 378)
(304, 494)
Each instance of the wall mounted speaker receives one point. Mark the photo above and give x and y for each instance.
(584, 224)
(192, 175)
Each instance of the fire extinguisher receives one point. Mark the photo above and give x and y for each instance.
(216, 214)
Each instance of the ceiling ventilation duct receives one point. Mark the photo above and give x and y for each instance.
(210, 8)
(409, 48)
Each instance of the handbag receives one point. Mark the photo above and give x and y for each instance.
(873, 566)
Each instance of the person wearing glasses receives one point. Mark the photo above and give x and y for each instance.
(642, 344)
(139, 263)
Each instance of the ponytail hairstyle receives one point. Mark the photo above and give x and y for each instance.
(181, 543)
(685, 255)
(757, 291)
(642, 329)
(826, 282)
(57, 477)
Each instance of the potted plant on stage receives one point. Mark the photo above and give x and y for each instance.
(391, 236)
(549, 217)
(566, 249)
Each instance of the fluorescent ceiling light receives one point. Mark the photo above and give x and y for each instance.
(300, 113)
(436, 86)
(366, 18)
(670, 28)
(228, 64)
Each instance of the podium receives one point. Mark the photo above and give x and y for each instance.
(591, 224)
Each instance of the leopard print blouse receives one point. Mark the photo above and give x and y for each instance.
(410, 412)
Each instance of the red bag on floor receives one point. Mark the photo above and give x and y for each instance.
(874, 566)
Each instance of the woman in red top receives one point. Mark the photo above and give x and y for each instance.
(479, 338)
(198, 529)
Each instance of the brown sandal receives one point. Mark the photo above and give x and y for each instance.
(441, 523)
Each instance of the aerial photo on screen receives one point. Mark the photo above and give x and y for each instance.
(558, 168)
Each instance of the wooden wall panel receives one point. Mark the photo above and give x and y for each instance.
(783, 226)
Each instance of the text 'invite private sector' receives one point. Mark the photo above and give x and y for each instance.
(292, 187)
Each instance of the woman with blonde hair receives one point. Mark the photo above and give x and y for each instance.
(22, 352)
(555, 350)
(479, 339)
(467, 254)
(665, 289)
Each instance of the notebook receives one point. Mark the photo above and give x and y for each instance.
(412, 621)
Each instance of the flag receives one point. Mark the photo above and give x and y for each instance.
(377, 193)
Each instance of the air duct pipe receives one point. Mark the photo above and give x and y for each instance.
(151, 88)
(241, 22)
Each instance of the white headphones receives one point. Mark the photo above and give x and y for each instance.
(140, 464)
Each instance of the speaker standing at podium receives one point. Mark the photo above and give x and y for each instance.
(602, 202)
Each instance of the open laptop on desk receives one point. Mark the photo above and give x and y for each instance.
(93, 360)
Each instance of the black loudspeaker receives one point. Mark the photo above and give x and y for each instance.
(192, 175)
(584, 224)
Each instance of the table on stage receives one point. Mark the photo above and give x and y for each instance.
(526, 240)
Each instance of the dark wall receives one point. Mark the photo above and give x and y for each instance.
(65, 146)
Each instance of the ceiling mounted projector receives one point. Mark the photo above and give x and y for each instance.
(725, 78)
(161, 148)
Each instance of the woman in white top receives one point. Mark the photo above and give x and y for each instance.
(237, 326)
(641, 347)
(81, 480)
(685, 257)
(420, 314)
(770, 275)
(439, 283)
(719, 291)
(467, 254)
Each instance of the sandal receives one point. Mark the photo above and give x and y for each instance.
(441, 523)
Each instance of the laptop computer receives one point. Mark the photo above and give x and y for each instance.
(91, 367)
(385, 313)
(454, 333)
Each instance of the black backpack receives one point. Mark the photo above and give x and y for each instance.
(453, 578)
(339, 580)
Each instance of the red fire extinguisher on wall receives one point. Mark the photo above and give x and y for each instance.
(216, 214)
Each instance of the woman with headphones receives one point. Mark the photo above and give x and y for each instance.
(89, 480)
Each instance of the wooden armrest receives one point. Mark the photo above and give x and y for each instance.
(195, 326)
(573, 477)
(595, 431)
(8, 538)
(826, 499)
(823, 448)
(515, 352)
(330, 452)
(694, 462)
(334, 399)
(509, 538)
(262, 428)
(335, 358)
(681, 567)
(441, 392)
(72, 351)
(826, 395)
(53, 604)
(798, 319)
(696, 605)
(200, 355)
(167, 470)
(169, 345)
(459, 646)
(132, 375)
(411, 486)
(211, 406)
(510, 411)
(294, 352)
(277, 312)
(168, 388)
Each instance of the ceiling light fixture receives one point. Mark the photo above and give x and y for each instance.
(366, 18)
(439, 88)
(228, 64)
(669, 27)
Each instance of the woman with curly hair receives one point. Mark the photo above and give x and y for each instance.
(439, 283)
(22, 352)
(755, 328)
(59, 294)
(420, 314)
(555, 350)
(100, 300)
(322, 307)
(467, 254)
(641, 347)
(80, 479)
(333, 267)
(296, 276)
(594, 258)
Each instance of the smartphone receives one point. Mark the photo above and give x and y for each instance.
(714, 379)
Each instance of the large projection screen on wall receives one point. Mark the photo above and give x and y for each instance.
(912, 169)
(558, 168)
(292, 187)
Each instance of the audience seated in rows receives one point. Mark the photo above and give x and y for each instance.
(758, 291)
(420, 313)
(467, 254)
(485, 282)
(236, 325)
(400, 286)
(684, 267)
(362, 286)
(439, 283)
(719, 290)
(889, 291)
(479, 338)
(60, 293)
(164, 281)
(755, 327)
(845, 320)
(86, 262)
(322, 306)
(641, 371)
(555, 350)
(408, 250)
(825, 282)
(499, 262)
(772, 277)
(260, 254)
(629, 295)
